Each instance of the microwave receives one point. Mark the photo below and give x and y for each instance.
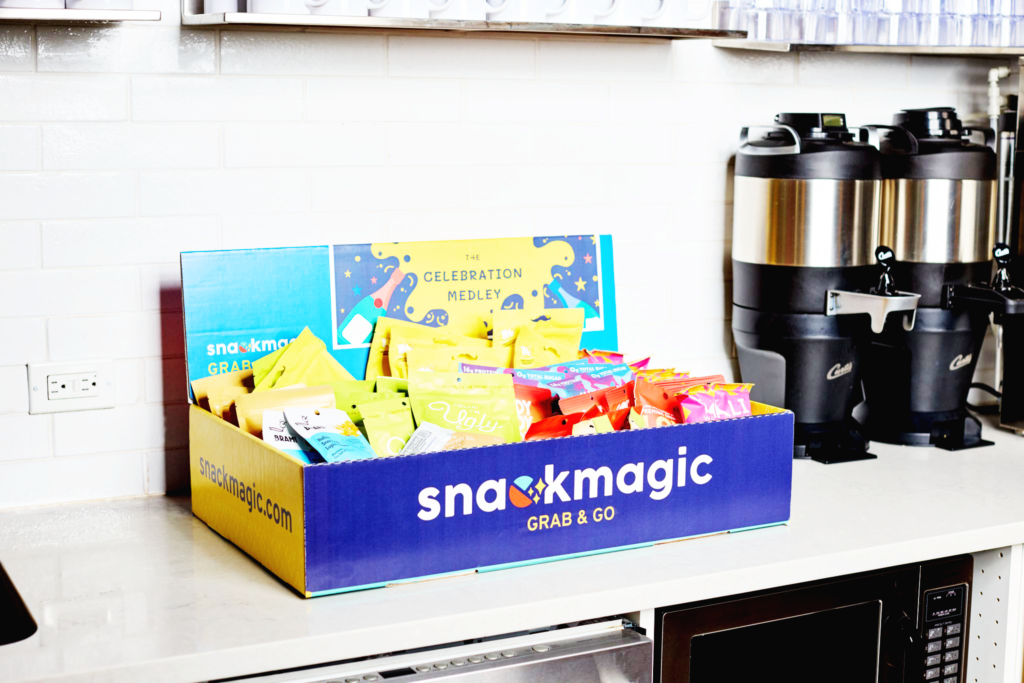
(905, 623)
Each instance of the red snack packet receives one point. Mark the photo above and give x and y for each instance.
(532, 404)
(552, 427)
(657, 406)
(619, 419)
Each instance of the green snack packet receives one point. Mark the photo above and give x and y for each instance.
(388, 425)
(344, 387)
(480, 404)
(397, 384)
(351, 401)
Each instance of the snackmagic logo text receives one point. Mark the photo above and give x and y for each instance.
(252, 346)
(662, 476)
(247, 494)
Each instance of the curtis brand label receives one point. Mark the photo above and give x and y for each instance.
(657, 478)
(838, 370)
(961, 361)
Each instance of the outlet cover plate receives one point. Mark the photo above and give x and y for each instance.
(39, 375)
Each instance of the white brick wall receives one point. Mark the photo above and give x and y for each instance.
(122, 146)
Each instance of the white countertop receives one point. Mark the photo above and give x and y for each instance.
(139, 590)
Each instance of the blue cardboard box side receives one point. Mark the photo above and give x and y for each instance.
(373, 522)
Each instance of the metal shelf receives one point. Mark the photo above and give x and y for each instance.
(771, 46)
(298, 22)
(74, 16)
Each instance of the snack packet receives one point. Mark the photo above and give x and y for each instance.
(532, 404)
(698, 404)
(379, 361)
(460, 440)
(553, 427)
(395, 385)
(330, 432)
(249, 407)
(279, 434)
(595, 356)
(388, 425)
(239, 378)
(353, 400)
(344, 387)
(305, 362)
(619, 419)
(221, 400)
(717, 401)
(470, 369)
(603, 400)
(484, 404)
(564, 324)
(450, 358)
(595, 425)
(428, 438)
(536, 350)
(661, 374)
(404, 339)
(657, 408)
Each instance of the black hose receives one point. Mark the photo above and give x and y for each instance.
(985, 410)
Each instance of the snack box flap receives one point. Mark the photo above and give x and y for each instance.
(240, 305)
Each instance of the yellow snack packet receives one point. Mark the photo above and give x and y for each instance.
(403, 340)
(261, 367)
(221, 401)
(379, 362)
(535, 350)
(305, 362)
(249, 408)
(482, 404)
(449, 358)
(388, 425)
(552, 323)
(201, 387)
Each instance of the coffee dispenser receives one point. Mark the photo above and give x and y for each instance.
(938, 213)
(810, 278)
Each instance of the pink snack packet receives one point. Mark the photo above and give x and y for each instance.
(732, 400)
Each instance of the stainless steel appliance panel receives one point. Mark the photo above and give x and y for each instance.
(939, 221)
(605, 651)
(817, 223)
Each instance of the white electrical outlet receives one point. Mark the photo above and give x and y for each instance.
(66, 387)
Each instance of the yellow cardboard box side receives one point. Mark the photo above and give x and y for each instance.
(764, 409)
(249, 493)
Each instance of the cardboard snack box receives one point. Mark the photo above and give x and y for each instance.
(331, 528)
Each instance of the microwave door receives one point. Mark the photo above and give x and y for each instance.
(840, 645)
(854, 630)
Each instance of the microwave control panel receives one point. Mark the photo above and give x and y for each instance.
(945, 613)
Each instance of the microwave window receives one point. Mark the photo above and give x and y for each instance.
(838, 646)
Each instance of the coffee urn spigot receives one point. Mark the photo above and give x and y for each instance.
(882, 301)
